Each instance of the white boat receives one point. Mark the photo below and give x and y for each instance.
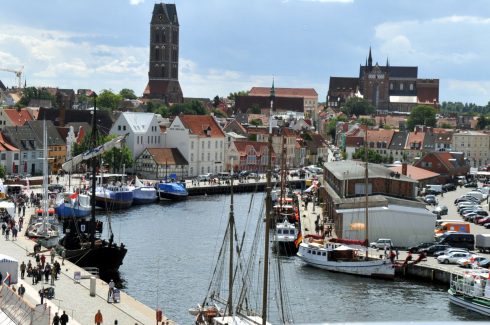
(284, 238)
(143, 194)
(347, 256)
(471, 290)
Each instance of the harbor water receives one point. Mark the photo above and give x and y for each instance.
(172, 249)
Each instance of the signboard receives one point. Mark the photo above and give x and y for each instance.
(77, 276)
(116, 295)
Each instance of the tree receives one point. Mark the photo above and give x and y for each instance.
(255, 109)
(357, 106)
(216, 101)
(158, 108)
(422, 115)
(483, 122)
(34, 93)
(232, 96)
(108, 100)
(256, 122)
(126, 93)
(2, 171)
(191, 108)
(373, 156)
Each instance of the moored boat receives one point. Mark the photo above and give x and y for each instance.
(72, 205)
(285, 238)
(172, 191)
(471, 290)
(113, 197)
(143, 194)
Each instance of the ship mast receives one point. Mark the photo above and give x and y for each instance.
(268, 208)
(366, 188)
(94, 174)
(231, 226)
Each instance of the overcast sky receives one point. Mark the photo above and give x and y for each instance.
(232, 45)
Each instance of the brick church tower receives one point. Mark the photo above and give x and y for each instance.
(163, 73)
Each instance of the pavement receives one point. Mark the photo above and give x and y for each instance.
(74, 297)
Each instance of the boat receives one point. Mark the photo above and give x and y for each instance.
(471, 290)
(114, 197)
(143, 194)
(172, 191)
(72, 205)
(347, 256)
(285, 238)
(40, 229)
(82, 243)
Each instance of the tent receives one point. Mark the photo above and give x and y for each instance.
(9, 265)
(9, 206)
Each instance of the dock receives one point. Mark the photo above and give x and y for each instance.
(71, 296)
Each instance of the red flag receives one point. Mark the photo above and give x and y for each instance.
(74, 196)
(299, 239)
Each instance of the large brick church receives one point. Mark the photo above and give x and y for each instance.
(389, 88)
(163, 73)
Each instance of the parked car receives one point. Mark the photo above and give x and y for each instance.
(440, 210)
(449, 187)
(471, 184)
(430, 199)
(431, 250)
(204, 177)
(243, 173)
(253, 176)
(416, 249)
(473, 261)
(466, 198)
(450, 250)
(381, 243)
(453, 257)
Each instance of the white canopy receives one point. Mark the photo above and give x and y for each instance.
(9, 265)
(9, 206)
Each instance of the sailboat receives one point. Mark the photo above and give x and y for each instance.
(44, 231)
(143, 194)
(348, 256)
(82, 243)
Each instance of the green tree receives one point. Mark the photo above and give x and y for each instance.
(256, 122)
(34, 93)
(191, 108)
(446, 125)
(232, 96)
(108, 100)
(373, 156)
(126, 93)
(483, 122)
(331, 126)
(255, 109)
(158, 108)
(219, 113)
(2, 171)
(216, 101)
(422, 115)
(357, 106)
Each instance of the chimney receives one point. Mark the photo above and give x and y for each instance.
(404, 168)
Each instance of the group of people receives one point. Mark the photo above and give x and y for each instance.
(41, 269)
(9, 226)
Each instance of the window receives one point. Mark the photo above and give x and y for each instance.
(391, 86)
(411, 86)
(124, 127)
(192, 157)
(215, 144)
(192, 145)
(209, 144)
(202, 144)
(119, 128)
(16, 156)
(202, 156)
(209, 156)
(3, 156)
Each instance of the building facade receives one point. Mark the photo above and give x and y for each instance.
(474, 145)
(163, 73)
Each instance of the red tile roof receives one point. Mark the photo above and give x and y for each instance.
(283, 92)
(18, 117)
(415, 173)
(5, 146)
(167, 156)
(259, 147)
(197, 124)
(415, 137)
(381, 135)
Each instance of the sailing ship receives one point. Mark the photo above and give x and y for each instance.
(347, 256)
(143, 194)
(42, 230)
(471, 290)
(82, 243)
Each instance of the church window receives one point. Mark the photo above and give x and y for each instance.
(164, 71)
(164, 38)
(411, 86)
(157, 54)
(401, 86)
(175, 36)
(165, 53)
(391, 86)
(174, 71)
(174, 55)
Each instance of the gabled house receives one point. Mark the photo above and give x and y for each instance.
(56, 144)
(158, 163)
(448, 164)
(278, 136)
(200, 140)
(30, 149)
(397, 146)
(248, 155)
(313, 149)
(235, 126)
(13, 117)
(413, 147)
(142, 129)
(9, 156)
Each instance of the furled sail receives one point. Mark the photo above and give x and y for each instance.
(117, 142)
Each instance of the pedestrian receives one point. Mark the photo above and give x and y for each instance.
(53, 274)
(53, 254)
(43, 260)
(396, 252)
(41, 294)
(22, 269)
(64, 318)
(56, 319)
(4, 227)
(21, 223)
(34, 275)
(14, 233)
(47, 272)
(23, 210)
(98, 318)
(111, 291)
(21, 291)
(7, 232)
(63, 254)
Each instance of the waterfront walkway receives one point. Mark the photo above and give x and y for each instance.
(73, 297)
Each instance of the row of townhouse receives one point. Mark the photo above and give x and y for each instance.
(409, 146)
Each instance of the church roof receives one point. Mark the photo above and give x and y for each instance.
(284, 92)
(395, 71)
(343, 84)
(167, 12)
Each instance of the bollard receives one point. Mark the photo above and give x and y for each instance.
(92, 286)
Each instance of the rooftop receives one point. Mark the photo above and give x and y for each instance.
(353, 169)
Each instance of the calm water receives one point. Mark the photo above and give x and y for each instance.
(171, 253)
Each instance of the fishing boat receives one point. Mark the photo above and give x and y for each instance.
(114, 197)
(83, 244)
(72, 205)
(40, 229)
(344, 255)
(471, 290)
(172, 191)
(143, 194)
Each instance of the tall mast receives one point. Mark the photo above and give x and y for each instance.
(366, 188)
(231, 227)
(94, 173)
(45, 176)
(268, 208)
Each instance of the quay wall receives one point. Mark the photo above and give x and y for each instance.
(194, 190)
(21, 312)
(425, 273)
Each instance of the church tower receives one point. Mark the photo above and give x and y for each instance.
(163, 70)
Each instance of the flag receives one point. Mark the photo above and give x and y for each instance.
(74, 196)
(7, 279)
(298, 240)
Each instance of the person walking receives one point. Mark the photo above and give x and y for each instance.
(53, 274)
(43, 260)
(41, 293)
(23, 210)
(21, 291)
(53, 254)
(14, 233)
(110, 294)
(98, 318)
(21, 223)
(56, 319)
(22, 270)
(64, 318)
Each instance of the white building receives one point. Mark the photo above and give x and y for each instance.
(142, 129)
(200, 140)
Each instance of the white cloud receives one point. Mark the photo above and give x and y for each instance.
(136, 2)
(329, 1)
(463, 19)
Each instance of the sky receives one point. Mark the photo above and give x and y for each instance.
(233, 45)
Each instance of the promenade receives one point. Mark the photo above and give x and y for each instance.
(74, 297)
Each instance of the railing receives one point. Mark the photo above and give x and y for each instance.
(92, 270)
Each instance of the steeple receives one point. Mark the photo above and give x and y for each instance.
(370, 59)
(366, 62)
(272, 94)
(387, 62)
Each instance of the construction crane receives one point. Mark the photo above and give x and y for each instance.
(18, 74)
